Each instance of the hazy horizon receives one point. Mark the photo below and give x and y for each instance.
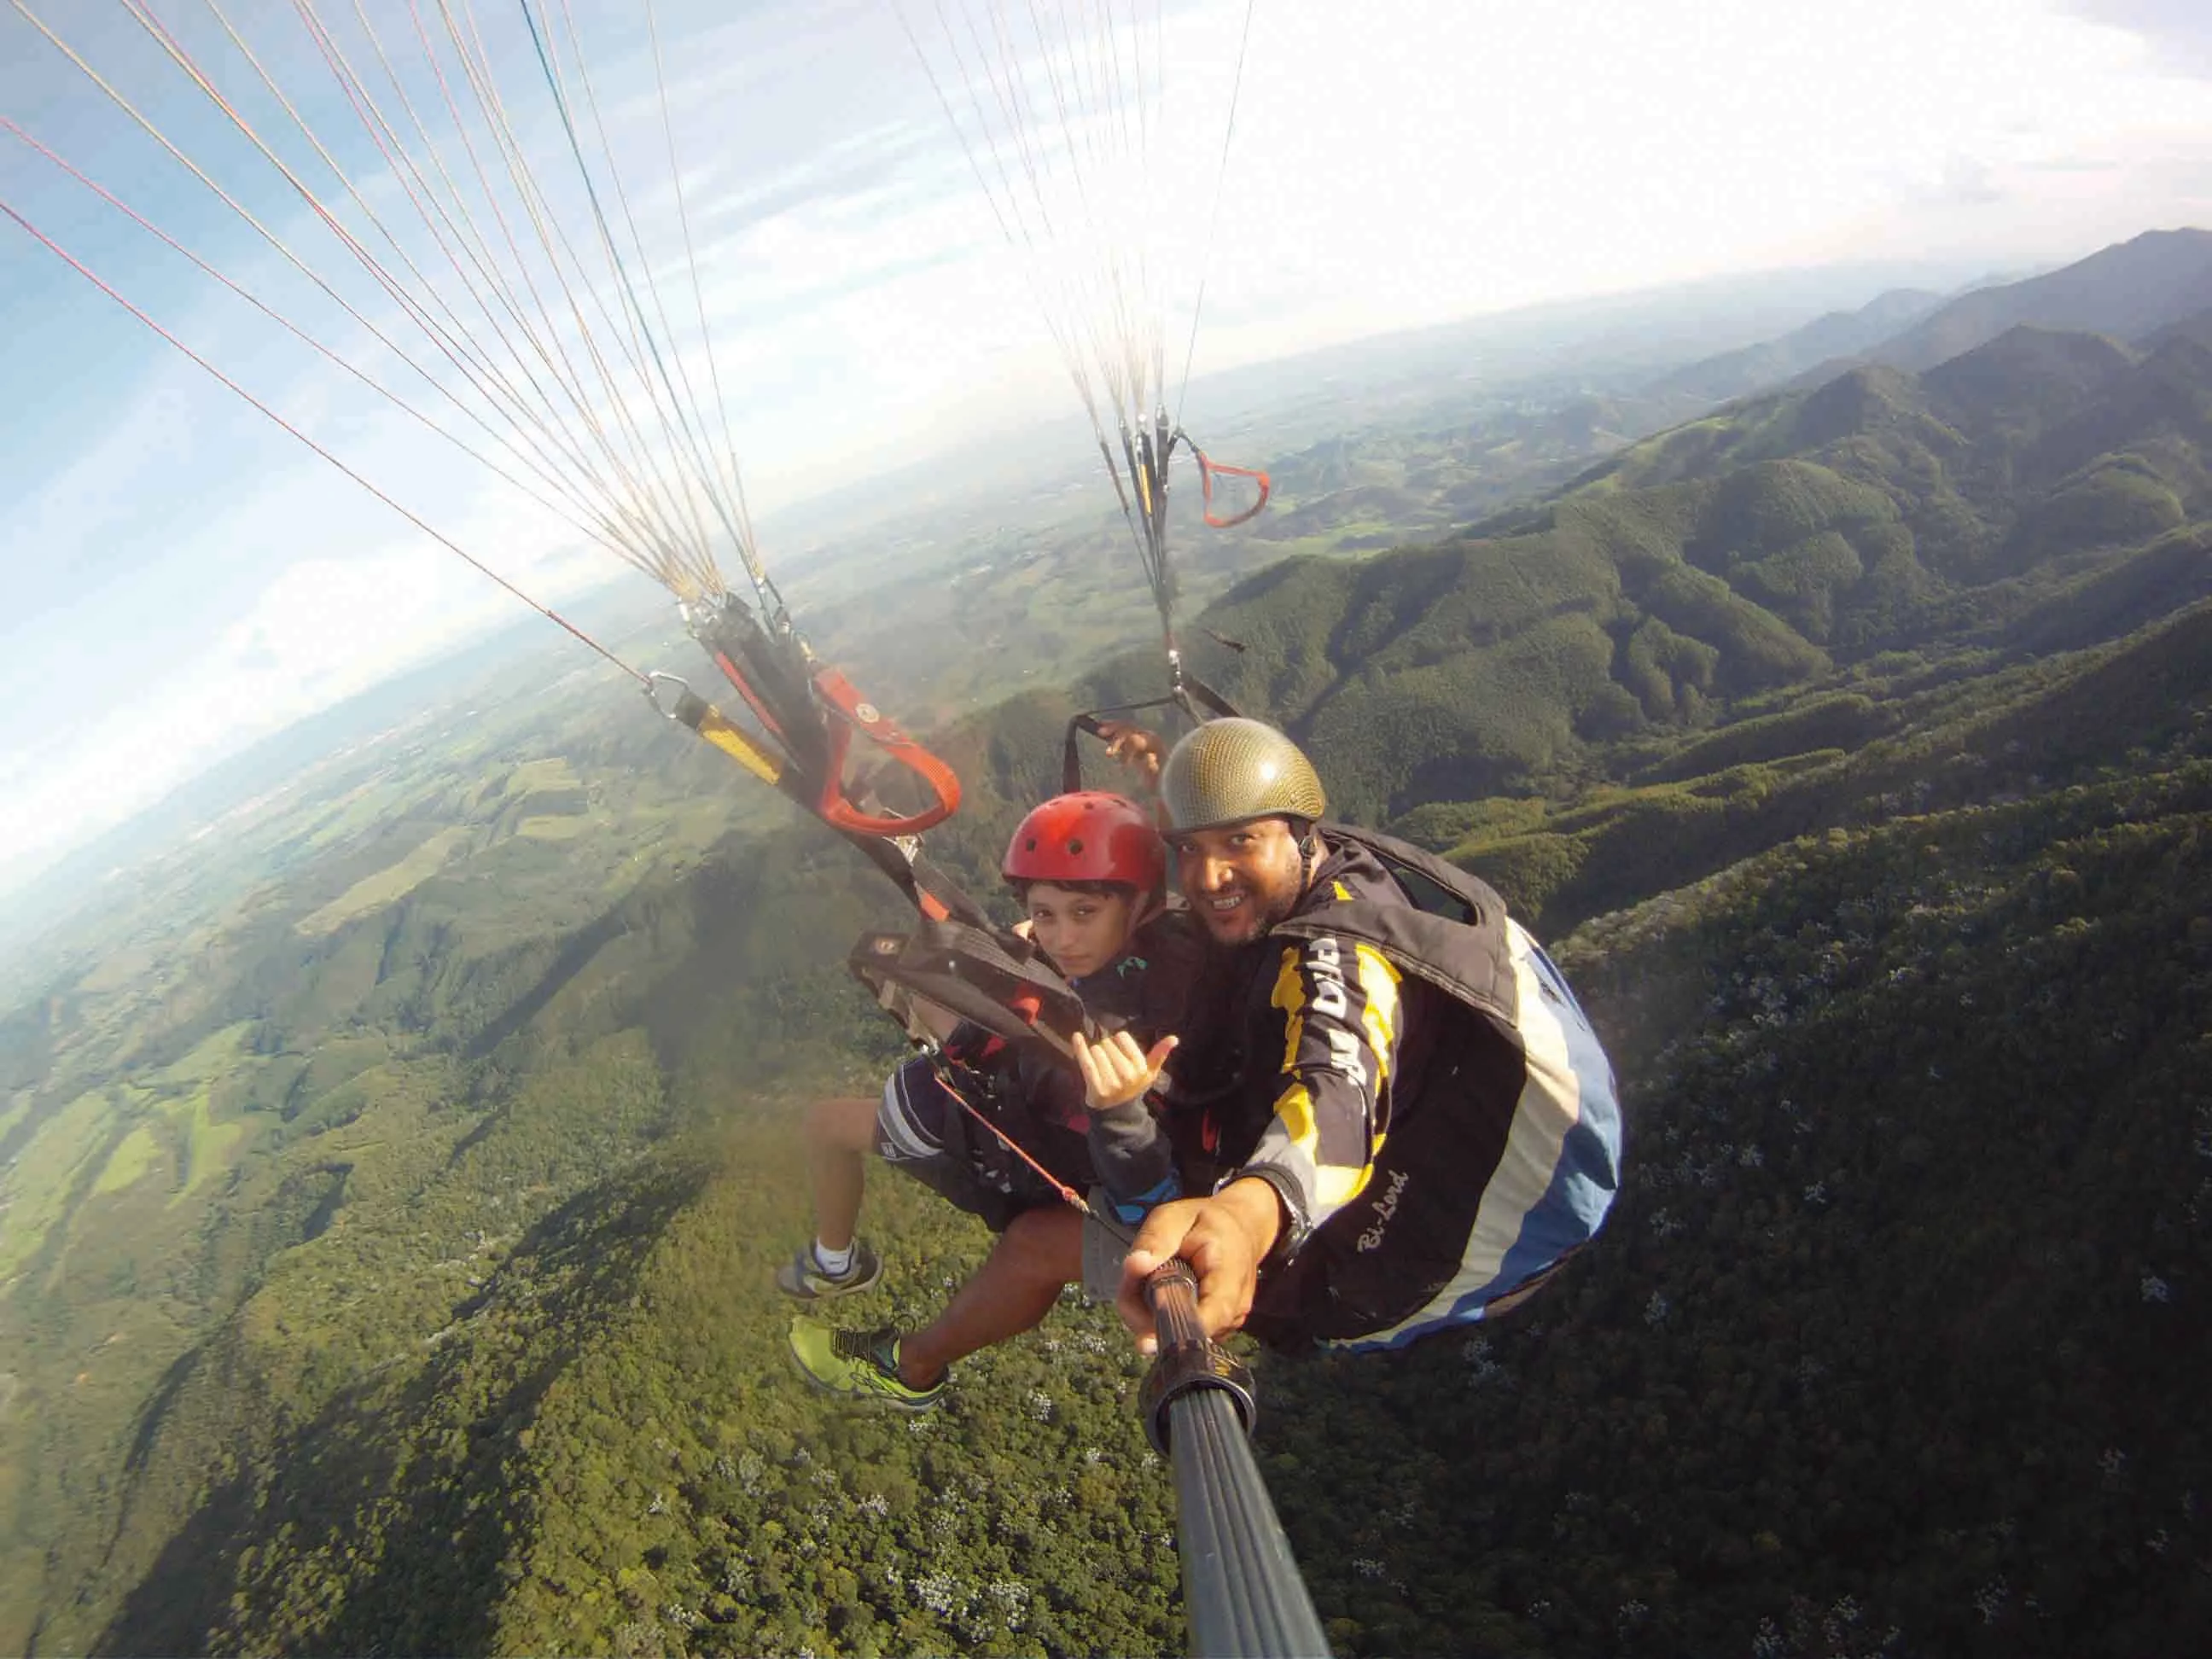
(1418, 166)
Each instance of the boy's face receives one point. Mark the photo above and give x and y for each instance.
(1081, 932)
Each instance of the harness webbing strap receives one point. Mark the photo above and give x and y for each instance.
(811, 710)
(946, 1080)
(717, 728)
(978, 975)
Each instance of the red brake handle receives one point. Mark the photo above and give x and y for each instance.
(856, 712)
(1207, 469)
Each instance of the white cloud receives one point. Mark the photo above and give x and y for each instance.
(329, 626)
(1605, 146)
(323, 630)
(70, 514)
(2178, 31)
(1398, 163)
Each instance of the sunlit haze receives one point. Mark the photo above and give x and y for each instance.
(179, 576)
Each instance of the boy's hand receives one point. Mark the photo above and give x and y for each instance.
(1115, 1071)
(1136, 748)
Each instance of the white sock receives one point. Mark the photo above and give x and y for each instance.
(836, 1263)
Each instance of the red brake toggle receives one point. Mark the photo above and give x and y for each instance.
(1207, 469)
(855, 711)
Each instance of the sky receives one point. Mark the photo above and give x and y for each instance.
(178, 575)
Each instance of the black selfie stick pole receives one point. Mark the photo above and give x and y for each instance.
(1240, 1586)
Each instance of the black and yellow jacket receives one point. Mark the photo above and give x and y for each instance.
(1297, 1051)
(1419, 1086)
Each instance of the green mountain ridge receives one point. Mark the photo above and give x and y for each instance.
(1788, 543)
(1823, 340)
(1851, 747)
(2128, 290)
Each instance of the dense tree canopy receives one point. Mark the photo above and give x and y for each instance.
(1853, 748)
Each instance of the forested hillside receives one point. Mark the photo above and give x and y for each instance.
(1853, 748)
(2129, 290)
(2046, 491)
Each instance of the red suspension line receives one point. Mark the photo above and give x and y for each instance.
(434, 534)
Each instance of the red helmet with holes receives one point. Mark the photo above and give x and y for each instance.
(1090, 835)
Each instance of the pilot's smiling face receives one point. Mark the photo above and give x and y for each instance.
(1242, 878)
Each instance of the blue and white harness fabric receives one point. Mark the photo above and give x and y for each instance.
(1560, 1167)
(1430, 1102)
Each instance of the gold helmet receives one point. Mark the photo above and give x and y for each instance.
(1230, 770)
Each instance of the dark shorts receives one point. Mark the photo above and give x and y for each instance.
(920, 1130)
(1103, 1252)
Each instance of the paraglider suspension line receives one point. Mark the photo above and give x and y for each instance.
(1068, 1194)
(435, 535)
(1229, 134)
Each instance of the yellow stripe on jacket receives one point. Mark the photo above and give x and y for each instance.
(1339, 1044)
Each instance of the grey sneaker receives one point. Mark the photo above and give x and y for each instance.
(805, 1279)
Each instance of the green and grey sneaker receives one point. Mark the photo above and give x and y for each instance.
(857, 1365)
(806, 1279)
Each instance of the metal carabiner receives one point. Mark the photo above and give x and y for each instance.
(653, 692)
